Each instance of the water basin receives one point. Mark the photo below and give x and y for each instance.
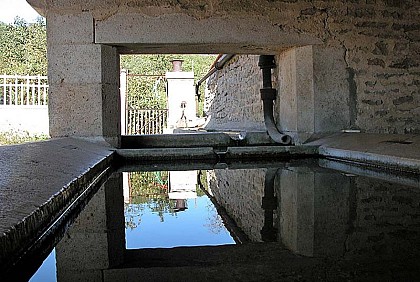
(295, 220)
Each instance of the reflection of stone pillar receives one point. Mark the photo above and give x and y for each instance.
(182, 185)
(297, 209)
(313, 210)
(332, 212)
(126, 187)
(96, 240)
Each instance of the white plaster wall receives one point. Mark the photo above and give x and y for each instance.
(181, 89)
(30, 119)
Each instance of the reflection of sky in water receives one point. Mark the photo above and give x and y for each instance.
(196, 226)
(47, 271)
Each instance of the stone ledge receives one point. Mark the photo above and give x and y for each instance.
(38, 181)
(399, 152)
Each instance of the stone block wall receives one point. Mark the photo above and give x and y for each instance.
(365, 74)
(233, 98)
(352, 64)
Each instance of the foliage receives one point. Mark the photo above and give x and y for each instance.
(23, 47)
(23, 50)
(149, 189)
(146, 93)
(14, 137)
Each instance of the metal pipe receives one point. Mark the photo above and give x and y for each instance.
(268, 95)
(217, 66)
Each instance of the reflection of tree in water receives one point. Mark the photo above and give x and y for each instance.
(132, 212)
(214, 221)
(148, 190)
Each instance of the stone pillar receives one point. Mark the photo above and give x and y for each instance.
(313, 92)
(96, 240)
(181, 99)
(123, 100)
(84, 80)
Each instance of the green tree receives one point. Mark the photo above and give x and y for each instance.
(23, 47)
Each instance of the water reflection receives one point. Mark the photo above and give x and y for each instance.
(316, 212)
(308, 208)
(165, 209)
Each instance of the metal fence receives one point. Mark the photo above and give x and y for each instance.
(20, 90)
(141, 121)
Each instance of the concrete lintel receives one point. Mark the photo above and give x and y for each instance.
(136, 32)
(70, 29)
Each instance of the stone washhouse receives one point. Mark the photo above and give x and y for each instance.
(346, 77)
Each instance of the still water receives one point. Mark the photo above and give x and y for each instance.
(364, 223)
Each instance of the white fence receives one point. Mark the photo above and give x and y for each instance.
(23, 104)
(23, 90)
(146, 121)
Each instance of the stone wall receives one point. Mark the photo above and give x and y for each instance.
(233, 97)
(384, 219)
(352, 64)
(372, 48)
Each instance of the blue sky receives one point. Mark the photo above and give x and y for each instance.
(9, 9)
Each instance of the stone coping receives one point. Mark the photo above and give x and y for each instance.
(399, 152)
(37, 182)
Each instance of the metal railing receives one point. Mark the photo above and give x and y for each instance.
(140, 121)
(23, 90)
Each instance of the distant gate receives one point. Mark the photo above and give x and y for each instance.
(140, 121)
(142, 117)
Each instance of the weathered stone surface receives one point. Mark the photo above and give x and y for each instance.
(233, 97)
(38, 181)
(399, 152)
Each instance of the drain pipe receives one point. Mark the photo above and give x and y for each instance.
(268, 95)
(218, 65)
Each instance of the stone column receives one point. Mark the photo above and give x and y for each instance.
(314, 97)
(84, 80)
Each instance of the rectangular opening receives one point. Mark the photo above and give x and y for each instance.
(158, 93)
(165, 209)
